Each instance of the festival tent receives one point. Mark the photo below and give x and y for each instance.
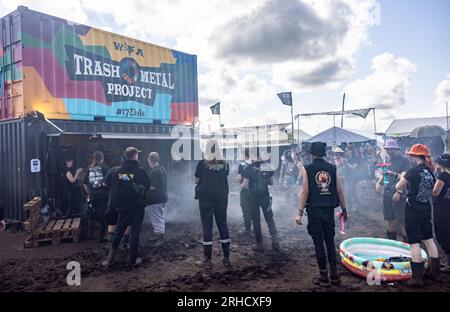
(337, 136)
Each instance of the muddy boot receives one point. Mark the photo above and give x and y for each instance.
(110, 259)
(418, 269)
(391, 235)
(435, 270)
(334, 276)
(124, 243)
(226, 255)
(159, 241)
(207, 254)
(323, 280)
(275, 245)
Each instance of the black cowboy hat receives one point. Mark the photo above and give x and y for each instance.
(444, 160)
(318, 149)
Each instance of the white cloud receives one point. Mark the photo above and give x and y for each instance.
(386, 87)
(443, 91)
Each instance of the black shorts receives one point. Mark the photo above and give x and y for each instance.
(393, 210)
(111, 216)
(418, 224)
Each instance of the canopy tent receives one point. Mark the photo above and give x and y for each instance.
(404, 127)
(337, 136)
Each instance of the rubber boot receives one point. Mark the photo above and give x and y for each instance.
(323, 279)
(391, 235)
(435, 270)
(124, 243)
(417, 269)
(110, 259)
(226, 255)
(207, 254)
(159, 241)
(334, 276)
(275, 244)
(101, 238)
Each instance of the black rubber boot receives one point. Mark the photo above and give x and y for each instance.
(435, 270)
(323, 279)
(418, 269)
(226, 255)
(334, 276)
(207, 254)
(391, 235)
(110, 259)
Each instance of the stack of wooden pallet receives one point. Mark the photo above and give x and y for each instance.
(51, 232)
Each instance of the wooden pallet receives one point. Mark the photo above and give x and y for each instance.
(55, 232)
(32, 210)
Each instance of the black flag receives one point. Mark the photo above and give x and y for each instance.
(215, 109)
(286, 98)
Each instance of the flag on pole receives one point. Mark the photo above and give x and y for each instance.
(215, 109)
(286, 98)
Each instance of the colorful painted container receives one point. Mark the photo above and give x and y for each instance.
(71, 71)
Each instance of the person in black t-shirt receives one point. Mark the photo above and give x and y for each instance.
(211, 178)
(441, 209)
(393, 211)
(244, 201)
(97, 194)
(2, 221)
(257, 181)
(419, 182)
(71, 192)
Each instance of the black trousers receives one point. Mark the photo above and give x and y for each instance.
(246, 211)
(442, 226)
(210, 210)
(71, 203)
(262, 201)
(98, 214)
(126, 219)
(321, 227)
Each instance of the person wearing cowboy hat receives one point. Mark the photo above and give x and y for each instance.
(441, 207)
(393, 211)
(321, 194)
(419, 182)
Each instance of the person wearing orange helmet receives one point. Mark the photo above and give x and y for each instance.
(419, 182)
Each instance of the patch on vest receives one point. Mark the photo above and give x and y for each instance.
(323, 181)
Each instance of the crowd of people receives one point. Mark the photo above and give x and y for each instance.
(416, 200)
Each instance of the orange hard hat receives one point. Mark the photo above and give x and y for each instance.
(419, 150)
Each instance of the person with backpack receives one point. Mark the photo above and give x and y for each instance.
(132, 183)
(321, 194)
(419, 182)
(157, 197)
(97, 194)
(211, 178)
(243, 195)
(257, 181)
(441, 207)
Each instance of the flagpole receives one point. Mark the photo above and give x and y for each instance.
(292, 119)
(446, 108)
(343, 108)
(220, 120)
(375, 123)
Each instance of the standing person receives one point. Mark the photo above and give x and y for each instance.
(132, 183)
(419, 182)
(352, 163)
(393, 211)
(244, 201)
(298, 162)
(157, 197)
(288, 177)
(211, 178)
(321, 194)
(97, 194)
(71, 192)
(441, 208)
(2, 220)
(257, 182)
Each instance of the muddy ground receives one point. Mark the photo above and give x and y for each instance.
(172, 268)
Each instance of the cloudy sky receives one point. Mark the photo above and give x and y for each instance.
(392, 55)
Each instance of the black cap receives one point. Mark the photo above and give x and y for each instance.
(444, 160)
(318, 149)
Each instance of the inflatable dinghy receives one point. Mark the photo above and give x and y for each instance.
(390, 259)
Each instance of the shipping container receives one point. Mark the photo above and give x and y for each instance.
(69, 71)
